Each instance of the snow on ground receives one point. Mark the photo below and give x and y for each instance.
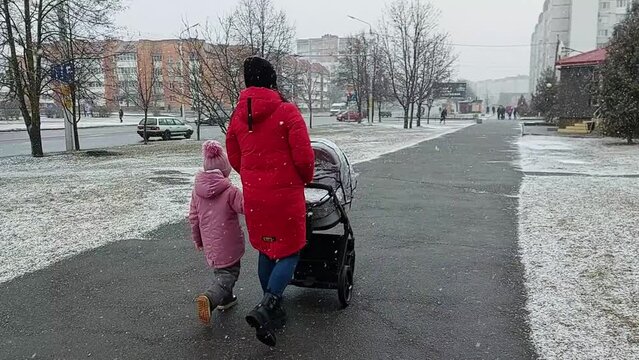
(58, 206)
(578, 230)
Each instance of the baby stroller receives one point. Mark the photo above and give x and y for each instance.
(328, 260)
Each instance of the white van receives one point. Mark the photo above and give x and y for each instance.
(337, 108)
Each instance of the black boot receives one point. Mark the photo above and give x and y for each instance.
(266, 317)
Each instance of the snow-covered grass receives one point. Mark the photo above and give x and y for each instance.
(579, 242)
(58, 206)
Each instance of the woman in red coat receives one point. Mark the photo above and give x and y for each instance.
(268, 144)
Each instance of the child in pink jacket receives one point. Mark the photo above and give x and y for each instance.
(215, 228)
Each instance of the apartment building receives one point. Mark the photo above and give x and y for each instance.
(567, 27)
(323, 50)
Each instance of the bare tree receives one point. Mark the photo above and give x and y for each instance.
(265, 30)
(409, 30)
(218, 50)
(212, 80)
(353, 68)
(435, 67)
(27, 26)
(311, 85)
(141, 87)
(84, 27)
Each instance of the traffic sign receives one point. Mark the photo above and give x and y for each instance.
(450, 90)
(63, 72)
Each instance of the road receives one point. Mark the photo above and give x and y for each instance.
(437, 277)
(17, 143)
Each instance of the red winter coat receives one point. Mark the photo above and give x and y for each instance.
(275, 160)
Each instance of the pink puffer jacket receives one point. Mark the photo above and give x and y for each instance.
(215, 205)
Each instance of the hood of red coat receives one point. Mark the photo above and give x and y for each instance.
(264, 102)
(209, 184)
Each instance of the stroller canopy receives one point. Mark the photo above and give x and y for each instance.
(333, 168)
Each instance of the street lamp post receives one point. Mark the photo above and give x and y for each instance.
(370, 73)
(182, 110)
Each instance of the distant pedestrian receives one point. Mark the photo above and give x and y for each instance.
(509, 111)
(493, 110)
(442, 119)
(215, 229)
(121, 114)
(515, 113)
(487, 110)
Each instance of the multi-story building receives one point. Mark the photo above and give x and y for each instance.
(323, 50)
(568, 26)
(163, 72)
(161, 65)
(492, 90)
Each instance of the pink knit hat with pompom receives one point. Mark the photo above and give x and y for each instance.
(215, 157)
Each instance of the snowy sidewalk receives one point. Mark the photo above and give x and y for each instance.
(59, 206)
(579, 205)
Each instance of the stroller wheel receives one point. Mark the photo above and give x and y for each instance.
(345, 286)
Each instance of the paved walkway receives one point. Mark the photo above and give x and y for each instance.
(437, 277)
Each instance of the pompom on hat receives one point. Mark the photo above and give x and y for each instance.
(215, 157)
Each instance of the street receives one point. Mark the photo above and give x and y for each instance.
(17, 142)
(437, 276)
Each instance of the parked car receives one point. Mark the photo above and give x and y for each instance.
(337, 108)
(385, 114)
(349, 115)
(164, 127)
(211, 121)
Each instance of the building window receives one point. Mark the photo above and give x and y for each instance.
(605, 5)
(127, 57)
(603, 32)
(157, 57)
(622, 3)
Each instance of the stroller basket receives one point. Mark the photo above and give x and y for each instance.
(328, 260)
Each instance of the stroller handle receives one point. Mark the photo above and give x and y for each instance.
(328, 188)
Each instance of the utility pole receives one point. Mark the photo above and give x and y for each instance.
(65, 88)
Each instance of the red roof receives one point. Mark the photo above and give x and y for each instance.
(594, 57)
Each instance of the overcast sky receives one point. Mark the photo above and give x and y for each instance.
(469, 22)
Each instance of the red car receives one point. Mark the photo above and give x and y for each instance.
(349, 116)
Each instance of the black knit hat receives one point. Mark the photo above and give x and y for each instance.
(259, 72)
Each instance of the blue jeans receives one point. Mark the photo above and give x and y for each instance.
(276, 274)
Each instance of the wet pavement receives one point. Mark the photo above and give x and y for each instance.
(437, 277)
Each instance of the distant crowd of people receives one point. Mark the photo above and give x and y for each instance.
(502, 111)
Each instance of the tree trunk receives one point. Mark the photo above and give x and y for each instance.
(76, 136)
(36, 140)
(419, 114)
(406, 117)
(379, 111)
(428, 116)
(146, 111)
(412, 112)
(372, 110)
(310, 117)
